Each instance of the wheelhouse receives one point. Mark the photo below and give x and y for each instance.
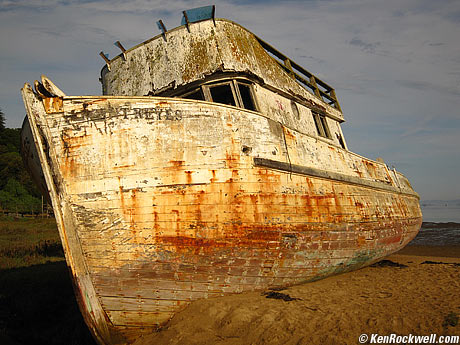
(227, 64)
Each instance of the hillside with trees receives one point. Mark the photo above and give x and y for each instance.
(18, 194)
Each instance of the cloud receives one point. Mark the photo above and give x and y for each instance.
(429, 86)
(364, 46)
(38, 5)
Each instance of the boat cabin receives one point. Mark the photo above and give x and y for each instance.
(217, 60)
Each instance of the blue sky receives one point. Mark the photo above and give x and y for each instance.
(395, 64)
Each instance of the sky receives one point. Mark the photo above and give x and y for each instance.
(395, 64)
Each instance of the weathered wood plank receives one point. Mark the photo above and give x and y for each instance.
(138, 319)
(141, 304)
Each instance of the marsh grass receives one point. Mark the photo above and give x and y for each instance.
(28, 241)
(37, 302)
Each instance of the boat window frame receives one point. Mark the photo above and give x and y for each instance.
(192, 92)
(250, 86)
(295, 109)
(234, 86)
(322, 127)
(207, 91)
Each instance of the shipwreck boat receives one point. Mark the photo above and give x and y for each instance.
(213, 164)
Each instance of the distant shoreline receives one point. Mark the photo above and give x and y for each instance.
(440, 225)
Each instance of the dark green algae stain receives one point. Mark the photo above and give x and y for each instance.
(360, 259)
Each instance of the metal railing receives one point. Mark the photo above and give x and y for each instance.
(313, 84)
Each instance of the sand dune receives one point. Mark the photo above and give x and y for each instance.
(420, 299)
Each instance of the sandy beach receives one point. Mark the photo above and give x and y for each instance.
(417, 292)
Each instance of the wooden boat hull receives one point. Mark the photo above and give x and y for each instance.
(163, 201)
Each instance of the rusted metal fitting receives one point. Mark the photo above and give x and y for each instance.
(162, 28)
(187, 23)
(106, 59)
(123, 50)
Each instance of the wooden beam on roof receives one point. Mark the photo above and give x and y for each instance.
(106, 59)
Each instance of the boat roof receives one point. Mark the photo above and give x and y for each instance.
(205, 45)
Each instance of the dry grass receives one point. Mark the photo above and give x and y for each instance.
(28, 241)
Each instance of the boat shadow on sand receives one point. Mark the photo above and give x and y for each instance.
(38, 306)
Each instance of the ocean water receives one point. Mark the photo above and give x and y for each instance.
(441, 223)
(438, 234)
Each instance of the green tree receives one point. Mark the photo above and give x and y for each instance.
(17, 191)
(2, 120)
(10, 139)
(10, 166)
(15, 198)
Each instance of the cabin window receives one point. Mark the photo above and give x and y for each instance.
(321, 125)
(196, 94)
(231, 92)
(247, 98)
(295, 110)
(325, 126)
(340, 139)
(222, 93)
